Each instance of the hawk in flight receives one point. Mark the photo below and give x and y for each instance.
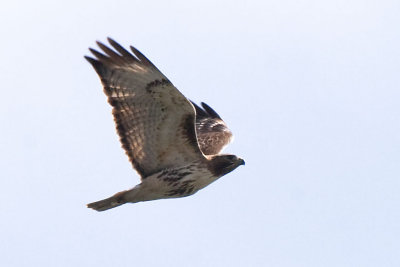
(172, 143)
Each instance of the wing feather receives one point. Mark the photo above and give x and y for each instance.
(212, 132)
(155, 122)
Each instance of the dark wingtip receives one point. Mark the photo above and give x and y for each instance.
(97, 65)
(143, 59)
(194, 104)
(199, 111)
(90, 59)
(111, 53)
(111, 40)
(124, 53)
(99, 55)
(210, 111)
(94, 62)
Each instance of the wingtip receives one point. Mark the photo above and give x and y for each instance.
(99, 43)
(210, 111)
(90, 59)
(205, 106)
(194, 104)
(110, 40)
(133, 49)
(199, 111)
(95, 52)
(96, 64)
(104, 47)
(140, 56)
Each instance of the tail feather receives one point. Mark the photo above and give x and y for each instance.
(116, 200)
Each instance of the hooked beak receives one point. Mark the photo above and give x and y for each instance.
(242, 162)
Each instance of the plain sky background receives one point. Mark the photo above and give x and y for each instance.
(311, 90)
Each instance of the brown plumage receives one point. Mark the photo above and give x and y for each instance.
(212, 132)
(157, 129)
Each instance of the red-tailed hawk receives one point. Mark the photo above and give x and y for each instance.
(171, 143)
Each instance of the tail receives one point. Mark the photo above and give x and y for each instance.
(116, 200)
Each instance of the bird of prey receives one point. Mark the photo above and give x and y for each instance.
(172, 143)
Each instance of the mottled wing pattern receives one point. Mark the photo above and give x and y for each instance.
(155, 122)
(212, 133)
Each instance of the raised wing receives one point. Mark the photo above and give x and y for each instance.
(155, 122)
(212, 133)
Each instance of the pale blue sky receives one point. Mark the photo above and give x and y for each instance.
(311, 90)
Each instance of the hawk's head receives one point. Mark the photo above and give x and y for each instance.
(223, 164)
